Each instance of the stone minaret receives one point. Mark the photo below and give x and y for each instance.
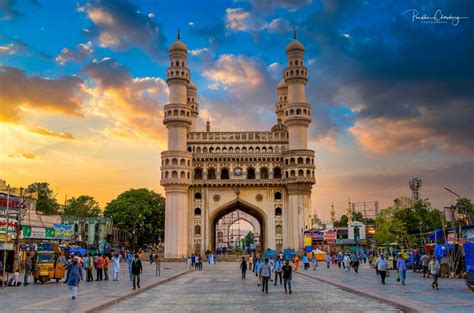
(333, 214)
(299, 160)
(282, 101)
(176, 161)
(193, 103)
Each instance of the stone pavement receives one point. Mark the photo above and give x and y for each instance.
(55, 297)
(417, 294)
(219, 288)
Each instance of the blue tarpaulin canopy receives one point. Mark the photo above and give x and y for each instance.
(437, 234)
(441, 250)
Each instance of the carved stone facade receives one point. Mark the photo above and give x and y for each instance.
(266, 174)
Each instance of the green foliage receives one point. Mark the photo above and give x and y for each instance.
(390, 227)
(342, 221)
(248, 239)
(141, 212)
(46, 202)
(467, 205)
(82, 206)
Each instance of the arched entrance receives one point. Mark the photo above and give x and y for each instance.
(226, 209)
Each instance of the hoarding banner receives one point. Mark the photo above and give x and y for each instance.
(289, 254)
(11, 228)
(308, 241)
(37, 232)
(451, 237)
(270, 253)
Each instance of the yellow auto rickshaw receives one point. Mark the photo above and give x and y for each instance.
(48, 266)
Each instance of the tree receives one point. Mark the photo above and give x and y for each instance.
(389, 227)
(82, 206)
(141, 212)
(466, 204)
(46, 203)
(249, 239)
(356, 216)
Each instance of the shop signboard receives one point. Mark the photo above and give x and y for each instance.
(63, 232)
(289, 254)
(330, 234)
(11, 228)
(270, 253)
(37, 232)
(451, 237)
(49, 233)
(308, 241)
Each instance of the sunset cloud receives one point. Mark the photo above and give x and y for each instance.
(49, 133)
(20, 154)
(21, 91)
(234, 70)
(78, 54)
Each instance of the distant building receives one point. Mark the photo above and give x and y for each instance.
(92, 231)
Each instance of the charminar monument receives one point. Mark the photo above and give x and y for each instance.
(265, 175)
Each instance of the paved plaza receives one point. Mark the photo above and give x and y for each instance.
(55, 297)
(219, 288)
(417, 294)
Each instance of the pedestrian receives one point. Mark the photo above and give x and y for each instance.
(151, 257)
(88, 267)
(296, 261)
(277, 269)
(402, 268)
(258, 266)
(305, 262)
(265, 272)
(328, 261)
(99, 267)
(116, 267)
(130, 261)
(435, 268)
(193, 261)
(243, 267)
(381, 266)
(287, 276)
(28, 264)
(250, 262)
(75, 277)
(355, 262)
(106, 266)
(347, 263)
(339, 260)
(425, 262)
(188, 262)
(272, 266)
(315, 262)
(136, 271)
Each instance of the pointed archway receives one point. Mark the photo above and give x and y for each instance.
(237, 204)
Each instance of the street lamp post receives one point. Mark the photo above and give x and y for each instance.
(455, 220)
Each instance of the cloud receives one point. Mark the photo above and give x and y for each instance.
(132, 104)
(20, 154)
(120, 25)
(279, 26)
(78, 54)
(20, 91)
(276, 71)
(10, 10)
(240, 20)
(16, 47)
(49, 133)
(269, 5)
(234, 70)
(198, 51)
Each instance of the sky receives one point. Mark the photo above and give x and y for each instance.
(82, 90)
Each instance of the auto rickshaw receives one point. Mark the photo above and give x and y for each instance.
(48, 266)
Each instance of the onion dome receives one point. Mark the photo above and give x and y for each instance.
(192, 85)
(295, 44)
(279, 127)
(282, 84)
(178, 44)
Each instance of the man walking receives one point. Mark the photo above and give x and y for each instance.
(243, 267)
(278, 268)
(136, 271)
(355, 262)
(328, 261)
(425, 262)
(266, 272)
(28, 264)
(75, 277)
(305, 262)
(99, 267)
(287, 276)
(435, 267)
(381, 266)
(402, 268)
(88, 267)
(116, 266)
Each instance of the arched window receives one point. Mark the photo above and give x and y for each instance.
(286, 174)
(166, 174)
(277, 173)
(167, 162)
(300, 160)
(308, 173)
(250, 149)
(182, 162)
(308, 160)
(292, 161)
(278, 230)
(190, 149)
(220, 237)
(250, 173)
(292, 173)
(197, 211)
(244, 150)
(264, 173)
(286, 162)
(174, 161)
(182, 174)
(204, 150)
(177, 63)
(197, 229)
(277, 196)
(218, 150)
(224, 173)
(197, 196)
(174, 174)
(198, 150)
(278, 212)
(211, 173)
(237, 150)
(300, 173)
(198, 173)
(298, 111)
